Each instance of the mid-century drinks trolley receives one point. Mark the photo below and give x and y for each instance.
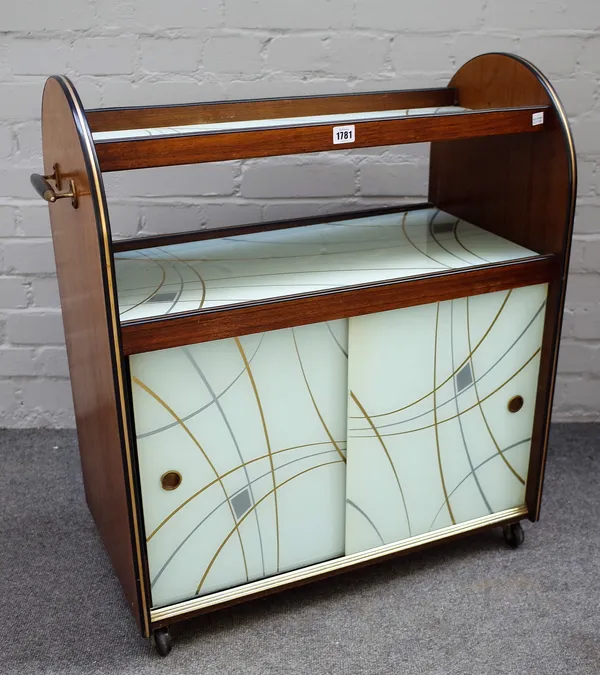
(265, 405)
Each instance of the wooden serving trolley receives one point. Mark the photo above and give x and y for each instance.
(265, 405)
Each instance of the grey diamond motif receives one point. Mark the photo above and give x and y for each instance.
(438, 228)
(163, 297)
(464, 377)
(241, 503)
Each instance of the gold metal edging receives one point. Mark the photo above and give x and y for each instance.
(116, 329)
(222, 597)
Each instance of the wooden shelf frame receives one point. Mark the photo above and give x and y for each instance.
(175, 330)
(219, 146)
(142, 117)
(489, 166)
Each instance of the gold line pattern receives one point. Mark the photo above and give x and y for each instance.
(316, 254)
(195, 271)
(312, 398)
(487, 426)
(184, 426)
(513, 494)
(487, 332)
(416, 247)
(435, 420)
(224, 475)
(459, 242)
(439, 243)
(154, 292)
(387, 454)
(270, 278)
(266, 432)
(453, 417)
(252, 509)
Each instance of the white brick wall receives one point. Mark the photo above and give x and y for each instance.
(127, 52)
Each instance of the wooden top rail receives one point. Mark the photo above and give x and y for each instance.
(152, 151)
(119, 119)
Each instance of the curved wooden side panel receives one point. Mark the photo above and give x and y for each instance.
(519, 187)
(86, 281)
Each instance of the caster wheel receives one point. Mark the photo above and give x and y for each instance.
(513, 534)
(163, 641)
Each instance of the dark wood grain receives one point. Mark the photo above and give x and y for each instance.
(327, 575)
(120, 119)
(79, 248)
(140, 243)
(153, 151)
(521, 188)
(231, 321)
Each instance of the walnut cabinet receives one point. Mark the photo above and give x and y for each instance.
(264, 405)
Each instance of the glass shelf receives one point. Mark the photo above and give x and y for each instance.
(171, 279)
(250, 125)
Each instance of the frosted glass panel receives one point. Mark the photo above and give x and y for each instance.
(256, 428)
(236, 269)
(431, 441)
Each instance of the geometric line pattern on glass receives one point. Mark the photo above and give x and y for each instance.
(483, 415)
(460, 452)
(189, 540)
(435, 416)
(217, 505)
(472, 471)
(494, 365)
(141, 385)
(293, 442)
(267, 441)
(215, 400)
(260, 265)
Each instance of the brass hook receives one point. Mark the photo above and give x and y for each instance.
(47, 192)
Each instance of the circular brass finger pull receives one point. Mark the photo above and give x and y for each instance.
(515, 404)
(170, 480)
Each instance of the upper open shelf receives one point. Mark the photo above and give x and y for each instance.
(283, 122)
(353, 251)
(502, 159)
(134, 138)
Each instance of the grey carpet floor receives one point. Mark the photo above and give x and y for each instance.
(472, 606)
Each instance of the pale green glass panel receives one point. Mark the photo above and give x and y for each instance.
(431, 441)
(256, 427)
(260, 265)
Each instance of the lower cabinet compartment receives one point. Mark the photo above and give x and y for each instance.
(244, 467)
(442, 399)
(241, 450)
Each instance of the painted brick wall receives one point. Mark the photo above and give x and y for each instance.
(151, 51)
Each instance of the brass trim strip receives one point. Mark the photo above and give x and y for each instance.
(116, 332)
(222, 597)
